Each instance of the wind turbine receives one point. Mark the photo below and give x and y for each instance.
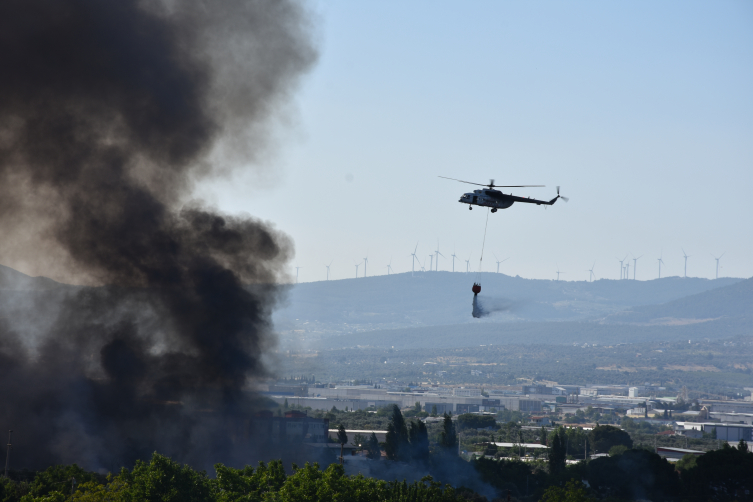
(558, 273)
(453, 259)
(591, 272)
(622, 268)
(498, 262)
(357, 265)
(389, 267)
(330, 263)
(468, 264)
(717, 263)
(627, 270)
(438, 255)
(296, 274)
(686, 261)
(423, 266)
(660, 263)
(635, 264)
(431, 266)
(365, 262)
(413, 262)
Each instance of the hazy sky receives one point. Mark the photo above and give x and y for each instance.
(641, 111)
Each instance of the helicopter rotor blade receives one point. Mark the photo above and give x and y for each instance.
(491, 184)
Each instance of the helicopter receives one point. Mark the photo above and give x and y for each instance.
(495, 199)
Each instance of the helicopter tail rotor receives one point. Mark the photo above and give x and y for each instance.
(566, 199)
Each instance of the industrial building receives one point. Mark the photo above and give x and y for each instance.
(365, 397)
(293, 427)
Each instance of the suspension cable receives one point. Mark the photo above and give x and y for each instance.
(483, 244)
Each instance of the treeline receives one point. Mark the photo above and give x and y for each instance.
(163, 480)
(626, 474)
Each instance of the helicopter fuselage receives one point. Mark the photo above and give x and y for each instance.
(488, 198)
(495, 199)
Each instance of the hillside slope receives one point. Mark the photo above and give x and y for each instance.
(12, 279)
(468, 335)
(327, 308)
(735, 300)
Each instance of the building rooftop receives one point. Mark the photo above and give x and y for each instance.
(678, 450)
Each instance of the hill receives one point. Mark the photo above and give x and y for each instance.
(731, 301)
(11, 279)
(469, 335)
(321, 309)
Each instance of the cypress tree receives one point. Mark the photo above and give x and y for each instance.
(557, 455)
(397, 445)
(419, 440)
(448, 437)
(372, 447)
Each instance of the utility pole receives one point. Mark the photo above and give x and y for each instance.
(7, 455)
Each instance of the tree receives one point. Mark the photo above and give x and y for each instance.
(166, 480)
(557, 455)
(604, 437)
(543, 435)
(471, 421)
(342, 436)
(285, 406)
(574, 491)
(396, 445)
(635, 474)
(448, 438)
(434, 410)
(419, 440)
(687, 462)
(719, 474)
(372, 447)
(360, 441)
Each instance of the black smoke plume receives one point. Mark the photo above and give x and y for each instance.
(110, 111)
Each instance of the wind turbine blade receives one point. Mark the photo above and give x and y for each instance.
(566, 199)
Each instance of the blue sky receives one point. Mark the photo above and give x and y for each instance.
(641, 111)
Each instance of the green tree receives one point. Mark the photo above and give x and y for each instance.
(419, 440)
(434, 410)
(60, 479)
(471, 421)
(557, 455)
(604, 437)
(617, 449)
(397, 446)
(360, 441)
(635, 474)
(164, 480)
(342, 436)
(448, 438)
(372, 448)
(574, 491)
(686, 463)
(719, 475)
